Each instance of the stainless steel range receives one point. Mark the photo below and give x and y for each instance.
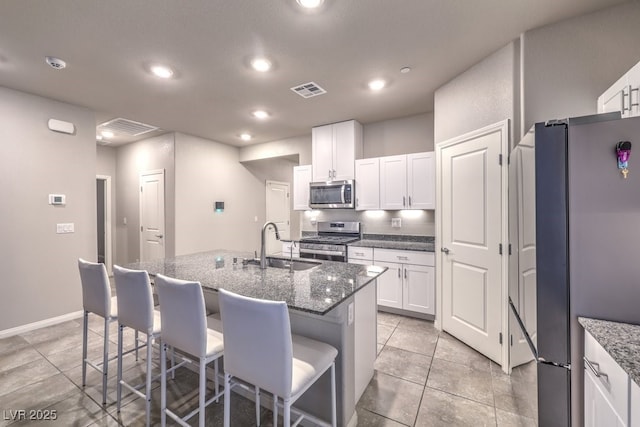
(331, 241)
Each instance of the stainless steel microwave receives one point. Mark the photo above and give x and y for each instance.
(332, 195)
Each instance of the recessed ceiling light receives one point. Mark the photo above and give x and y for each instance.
(260, 114)
(310, 4)
(161, 71)
(54, 62)
(107, 134)
(245, 137)
(377, 84)
(261, 64)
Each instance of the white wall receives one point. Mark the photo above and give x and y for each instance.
(411, 134)
(208, 171)
(569, 64)
(484, 94)
(39, 268)
(297, 147)
(132, 159)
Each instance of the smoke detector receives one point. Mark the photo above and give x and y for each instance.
(54, 62)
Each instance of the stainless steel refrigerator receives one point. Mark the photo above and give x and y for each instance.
(587, 248)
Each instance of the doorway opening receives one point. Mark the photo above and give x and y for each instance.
(103, 220)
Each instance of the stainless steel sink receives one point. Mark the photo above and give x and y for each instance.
(296, 265)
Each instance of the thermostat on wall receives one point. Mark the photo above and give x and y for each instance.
(57, 199)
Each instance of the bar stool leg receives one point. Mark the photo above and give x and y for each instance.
(287, 413)
(163, 384)
(203, 389)
(227, 400)
(217, 383)
(85, 326)
(257, 406)
(275, 410)
(119, 383)
(149, 377)
(105, 363)
(334, 420)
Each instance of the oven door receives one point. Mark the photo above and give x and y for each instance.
(334, 255)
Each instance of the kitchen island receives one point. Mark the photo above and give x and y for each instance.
(332, 302)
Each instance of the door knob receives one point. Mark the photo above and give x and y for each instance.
(445, 250)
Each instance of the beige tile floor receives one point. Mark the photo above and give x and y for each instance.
(423, 378)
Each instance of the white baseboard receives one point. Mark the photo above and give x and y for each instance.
(40, 324)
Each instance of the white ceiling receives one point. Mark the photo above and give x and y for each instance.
(109, 45)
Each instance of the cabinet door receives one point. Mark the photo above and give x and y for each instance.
(633, 82)
(393, 182)
(367, 184)
(322, 152)
(301, 179)
(344, 150)
(419, 289)
(421, 181)
(615, 98)
(390, 285)
(634, 404)
(598, 411)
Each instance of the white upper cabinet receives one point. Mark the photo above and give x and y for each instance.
(623, 95)
(421, 180)
(301, 180)
(408, 181)
(367, 184)
(393, 182)
(334, 149)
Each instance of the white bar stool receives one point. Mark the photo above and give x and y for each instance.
(184, 327)
(135, 310)
(260, 349)
(96, 298)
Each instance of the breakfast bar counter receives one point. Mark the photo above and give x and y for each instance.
(333, 302)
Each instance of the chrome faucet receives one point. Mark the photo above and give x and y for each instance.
(263, 257)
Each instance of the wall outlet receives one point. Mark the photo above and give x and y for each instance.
(65, 228)
(396, 222)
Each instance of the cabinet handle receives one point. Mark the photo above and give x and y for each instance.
(357, 202)
(409, 201)
(403, 258)
(399, 273)
(595, 369)
(405, 273)
(404, 201)
(334, 173)
(329, 174)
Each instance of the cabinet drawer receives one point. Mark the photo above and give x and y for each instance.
(360, 253)
(404, 257)
(612, 380)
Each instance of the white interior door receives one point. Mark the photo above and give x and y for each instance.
(278, 212)
(472, 228)
(523, 288)
(152, 215)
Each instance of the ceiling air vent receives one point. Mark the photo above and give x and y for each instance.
(122, 126)
(308, 90)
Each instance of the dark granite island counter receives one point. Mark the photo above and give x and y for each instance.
(332, 302)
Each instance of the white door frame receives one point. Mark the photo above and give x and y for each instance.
(503, 127)
(164, 207)
(108, 255)
(284, 234)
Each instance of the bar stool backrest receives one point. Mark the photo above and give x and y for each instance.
(135, 298)
(96, 291)
(257, 341)
(183, 314)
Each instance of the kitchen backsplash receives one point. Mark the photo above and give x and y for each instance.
(414, 222)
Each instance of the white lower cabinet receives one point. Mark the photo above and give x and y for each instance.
(409, 282)
(606, 388)
(634, 403)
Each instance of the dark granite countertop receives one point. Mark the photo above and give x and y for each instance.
(317, 290)
(400, 242)
(621, 340)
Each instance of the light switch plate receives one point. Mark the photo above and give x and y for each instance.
(65, 228)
